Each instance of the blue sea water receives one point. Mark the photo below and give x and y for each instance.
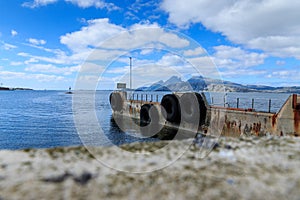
(42, 119)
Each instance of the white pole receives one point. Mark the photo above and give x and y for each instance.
(130, 73)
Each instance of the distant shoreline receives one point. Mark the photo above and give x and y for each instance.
(6, 88)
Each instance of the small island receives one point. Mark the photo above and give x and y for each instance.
(18, 88)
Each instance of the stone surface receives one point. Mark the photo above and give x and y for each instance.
(236, 168)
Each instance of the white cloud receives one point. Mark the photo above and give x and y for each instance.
(270, 25)
(80, 3)
(93, 3)
(195, 52)
(292, 75)
(14, 63)
(242, 72)
(7, 46)
(25, 76)
(49, 68)
(280, 62)
(114, 40)
(97, 31)
(235, 57)
(145, 74)
(14, 33)
(38, 3)
(146, 34)
(36, 41)
(88, 67)
(58, 58)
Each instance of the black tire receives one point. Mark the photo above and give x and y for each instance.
(171, 105)
(116, 101)
(193, 108)
(149, 120)
(145, 115)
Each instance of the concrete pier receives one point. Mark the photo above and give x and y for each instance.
(223, 120)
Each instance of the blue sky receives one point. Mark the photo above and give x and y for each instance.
(46, 44)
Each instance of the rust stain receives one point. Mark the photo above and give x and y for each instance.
(294, 101)
(256, 128)
(296, 110)
(274, 119)
(297, 121)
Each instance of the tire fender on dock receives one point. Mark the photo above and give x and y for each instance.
(116, 101)
(193, 108)
(171, 105)
(149, 120)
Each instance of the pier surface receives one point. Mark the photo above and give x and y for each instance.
(237, 168)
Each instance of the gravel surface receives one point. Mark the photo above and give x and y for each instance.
(236, 168)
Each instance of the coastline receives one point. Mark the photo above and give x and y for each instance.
(6, 88)
(237, 168)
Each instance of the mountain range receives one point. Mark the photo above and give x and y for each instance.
(200, 83)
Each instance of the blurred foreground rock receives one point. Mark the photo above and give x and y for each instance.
(244, 168)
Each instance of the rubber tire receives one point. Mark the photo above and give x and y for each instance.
(116, 101)
(190, 104)
(145, 115)
(171, 105)
(149, 120)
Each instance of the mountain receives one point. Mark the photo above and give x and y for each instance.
(200, 83)
(172, 84)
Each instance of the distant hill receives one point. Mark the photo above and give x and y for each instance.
(200, 83)
(6, 88)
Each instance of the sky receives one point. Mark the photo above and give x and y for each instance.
(54, 44)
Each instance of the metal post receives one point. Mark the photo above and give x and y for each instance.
(146, 97)
(212, 100)
(130, 58)
(151, 97)
(157, 98)
(237, 102)
(270, 101)
(252, 104)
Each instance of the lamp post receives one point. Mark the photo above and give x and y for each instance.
(130, 58)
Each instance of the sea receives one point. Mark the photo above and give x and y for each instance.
(44, 119)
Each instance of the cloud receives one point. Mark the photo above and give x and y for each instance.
(235, 57)
(59, 57)
(238, 73)
(36, 41)
(14, 33)
(7, 46)
(292, 75)
(195, 52)
(25, 76)
(143, 34)
(100, 33)
(280, 62)
(97, 31)
(49, 68)
(38, 3)
(272, 26)
(80, 3)
(94, 3)
(14, 63)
